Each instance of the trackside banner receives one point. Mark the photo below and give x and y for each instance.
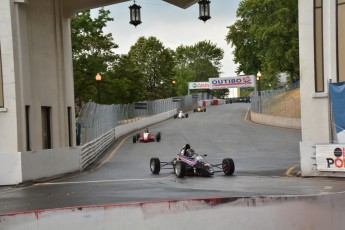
(337, 95)
(198, 85)
(232, 82)
(330, 158)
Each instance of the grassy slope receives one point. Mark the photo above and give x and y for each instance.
(286, 105)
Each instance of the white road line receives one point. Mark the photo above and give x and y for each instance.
(102, 181)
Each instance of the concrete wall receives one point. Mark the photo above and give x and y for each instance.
(285, 122)
(8, 115)
(314, 212)
(19, 167)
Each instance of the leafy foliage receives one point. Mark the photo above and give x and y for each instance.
(92, 52)
(265, 38)
(155, 63)
(196, 63)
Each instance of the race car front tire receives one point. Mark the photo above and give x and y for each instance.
(155, 165)
(180, 169)
(228, 166)
(186, 115)
(134, 139)
(158, 137)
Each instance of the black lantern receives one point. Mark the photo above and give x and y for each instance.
(204, 10)
(135, 14)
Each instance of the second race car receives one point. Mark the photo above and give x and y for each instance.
(146, 136)
(199, 109)
(188, 162)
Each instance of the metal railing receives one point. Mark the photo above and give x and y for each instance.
(95, 120)
(274, 102)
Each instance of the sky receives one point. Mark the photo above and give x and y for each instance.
(174, 26)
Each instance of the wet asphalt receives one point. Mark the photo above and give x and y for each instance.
(266, 164)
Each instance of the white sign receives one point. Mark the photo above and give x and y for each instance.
(198, 85)
(330, 158)
(232, 82)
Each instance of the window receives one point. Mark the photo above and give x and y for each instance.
(341, 40)
(69, 117)
(46, 127)
(27, 121)
(318, 43)
(1, 84)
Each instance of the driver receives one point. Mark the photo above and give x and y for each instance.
(190, 152)
(184, 150)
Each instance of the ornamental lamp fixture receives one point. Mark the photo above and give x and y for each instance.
(204, 10)
(135, 14)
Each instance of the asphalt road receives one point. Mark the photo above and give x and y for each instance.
(262, 156)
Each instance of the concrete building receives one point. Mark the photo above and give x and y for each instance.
(322, 59)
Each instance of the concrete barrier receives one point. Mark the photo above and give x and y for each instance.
(16, 168)
(311, 212)
(284, 122)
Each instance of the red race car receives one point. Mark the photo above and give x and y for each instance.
(146, 136)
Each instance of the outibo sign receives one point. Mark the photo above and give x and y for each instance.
(330, 158)
(232, 82)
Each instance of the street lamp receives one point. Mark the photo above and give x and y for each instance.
(135, 17)
(98, 79)
(204, 10)
(258, 77)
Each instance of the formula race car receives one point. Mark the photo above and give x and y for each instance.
(199, 109)
(146, 136)
(188, 162)
(181, 115)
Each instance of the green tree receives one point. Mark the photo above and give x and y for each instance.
(125, 83)
(196, 63)
(93, 52)
(265, 37)
(156, 64)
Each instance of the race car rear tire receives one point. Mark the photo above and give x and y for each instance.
(194, 110)
(155, 165)
(186, 115)
(180, 169)
(158, 137)
(138, 136)
(228, 166)
(134, 139)
(175, 116)
(204, 109)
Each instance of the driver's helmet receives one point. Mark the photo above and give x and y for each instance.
(146, 130)
(190, 152)
(181, 112)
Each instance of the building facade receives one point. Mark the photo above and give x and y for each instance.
(322, 60)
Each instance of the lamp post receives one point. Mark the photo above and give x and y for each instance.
(135, 16)
(204, 10)
(258, 77)
(98, 79)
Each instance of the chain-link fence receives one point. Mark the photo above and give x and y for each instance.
(284, 103)
(95, 119)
